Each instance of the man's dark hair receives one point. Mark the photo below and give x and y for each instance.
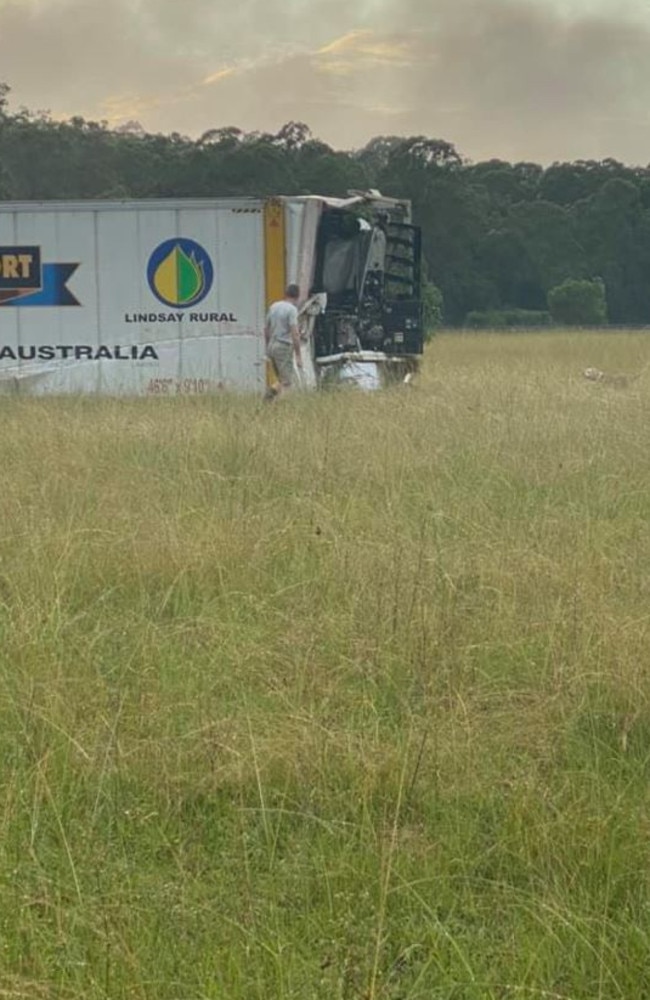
(292, 292)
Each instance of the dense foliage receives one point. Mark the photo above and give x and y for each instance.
(578, 303)
(497, 236)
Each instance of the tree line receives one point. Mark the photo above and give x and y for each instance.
(501, 240)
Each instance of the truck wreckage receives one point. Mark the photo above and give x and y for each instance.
(367, 281)
(167, 297)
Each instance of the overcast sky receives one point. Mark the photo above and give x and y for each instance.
(538, 80)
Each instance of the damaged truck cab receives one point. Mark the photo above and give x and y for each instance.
(360, 259)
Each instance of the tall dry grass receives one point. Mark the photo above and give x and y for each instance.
(342, 698)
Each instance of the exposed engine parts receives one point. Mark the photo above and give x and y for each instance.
(370, 268)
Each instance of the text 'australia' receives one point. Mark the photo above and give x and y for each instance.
(79, 352)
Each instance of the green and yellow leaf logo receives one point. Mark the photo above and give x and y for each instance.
(180, 273)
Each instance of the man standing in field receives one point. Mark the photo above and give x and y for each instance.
(282, 338)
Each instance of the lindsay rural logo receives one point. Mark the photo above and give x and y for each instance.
(180, 273)
(26, 281)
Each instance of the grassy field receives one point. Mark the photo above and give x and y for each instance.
(346, 698)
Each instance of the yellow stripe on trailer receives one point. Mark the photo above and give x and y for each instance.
(275, 248)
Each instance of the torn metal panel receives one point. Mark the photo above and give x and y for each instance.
(365, 370)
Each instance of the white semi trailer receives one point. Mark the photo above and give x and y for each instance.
(169, 297)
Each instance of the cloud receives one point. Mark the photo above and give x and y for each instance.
(528, 83)
(221, 74)
(518, 79)
(367, 44)
(362, 52)
(74, 54)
